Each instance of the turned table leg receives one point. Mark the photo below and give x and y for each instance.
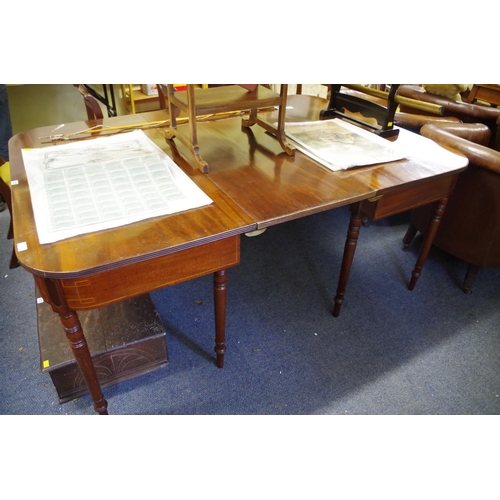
(349, 249)
(428, 240)
(53, 293)
(81, 352)
(220, 300)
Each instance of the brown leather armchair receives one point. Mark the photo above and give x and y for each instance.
(465, 112)
(470, 227)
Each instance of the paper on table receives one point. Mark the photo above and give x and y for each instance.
(339, 145)
(428, 153)
(102, 183)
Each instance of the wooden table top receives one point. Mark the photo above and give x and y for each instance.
(273, 187)
(99, 251)
(252, 182)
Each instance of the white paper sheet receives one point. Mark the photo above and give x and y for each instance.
(102, 183)
(428, 153)
(339, 145)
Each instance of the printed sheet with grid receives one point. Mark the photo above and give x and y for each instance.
(103, 183)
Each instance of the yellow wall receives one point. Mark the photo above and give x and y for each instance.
(39, 105)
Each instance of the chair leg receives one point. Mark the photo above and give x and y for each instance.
(172, 111)
(409, 236)
(279, 130)
(13, 260)
(470, 277)
(250, 120)
(193, 144)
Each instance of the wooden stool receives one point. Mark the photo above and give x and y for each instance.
(225, 99)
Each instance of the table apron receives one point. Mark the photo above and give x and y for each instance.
(114, 285)
(412, 196)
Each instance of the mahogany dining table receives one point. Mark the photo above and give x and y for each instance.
(253, 183)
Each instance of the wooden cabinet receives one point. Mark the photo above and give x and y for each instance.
(126, 339)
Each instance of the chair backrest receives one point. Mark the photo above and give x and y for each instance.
(94, 111)
(6, 195)
(162, 95)
(5, 190)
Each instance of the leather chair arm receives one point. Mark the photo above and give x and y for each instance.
(416, 122)
(466, 111)
(477, 154)
(497, 139)
(474, 132)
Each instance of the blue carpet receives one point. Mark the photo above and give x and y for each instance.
(433, 351)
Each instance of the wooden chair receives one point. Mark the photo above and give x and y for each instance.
(6, 195)
(94, 111)
(162, 95)
(223, 100)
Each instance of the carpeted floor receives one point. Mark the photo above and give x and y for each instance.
(432, 351)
